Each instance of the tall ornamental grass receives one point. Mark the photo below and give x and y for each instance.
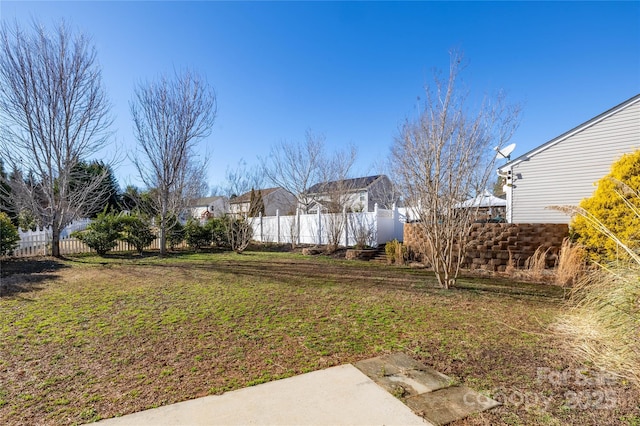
(602, 325)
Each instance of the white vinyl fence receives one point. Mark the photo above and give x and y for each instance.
(372, 228)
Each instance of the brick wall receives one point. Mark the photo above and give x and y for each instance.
(491, 245)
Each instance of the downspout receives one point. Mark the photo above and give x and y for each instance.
(508, 189)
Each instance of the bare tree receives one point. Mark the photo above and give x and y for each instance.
(55, 113)
(240, 179)
(239, 222)
(363, 229)
(441, 158)
(297, 166)
(170, 116)
(334, 194)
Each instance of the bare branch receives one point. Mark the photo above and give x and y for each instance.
(297, 166)
(55, 113)
(170, 116)
(442, 158)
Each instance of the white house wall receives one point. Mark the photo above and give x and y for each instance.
(565, 173)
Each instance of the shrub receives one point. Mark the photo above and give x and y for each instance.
(217, 229)
(196, 235)
(239, 233)
(613, 204)
(101, 234)
(396, 252)
(136, 231)
(8, 235)
(362, 229)
(175, 235)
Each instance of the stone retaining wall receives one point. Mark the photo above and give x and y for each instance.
(492, 245)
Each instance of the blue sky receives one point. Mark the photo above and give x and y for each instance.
(353, 71)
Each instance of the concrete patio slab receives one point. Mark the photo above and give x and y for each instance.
(402, 376)
(340, 395)
(427, 392)
(446, 405)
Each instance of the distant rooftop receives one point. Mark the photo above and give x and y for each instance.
(206, 201)
(353, 184)
(246, 197)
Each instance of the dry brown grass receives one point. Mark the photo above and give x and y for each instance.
(604, 320)
(603, 323)
(571, 264)
(511, 269)
(535, 265)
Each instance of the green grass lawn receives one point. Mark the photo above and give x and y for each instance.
(93, 338)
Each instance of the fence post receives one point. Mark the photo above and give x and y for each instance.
(345, 220)
(376, 221)
(261, 234)
(398, 227)
(319, 227)
(297, 225)
(278, 225)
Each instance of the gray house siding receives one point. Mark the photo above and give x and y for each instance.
(564, 171)
(281, 202)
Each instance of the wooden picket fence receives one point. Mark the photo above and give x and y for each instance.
(41, 246)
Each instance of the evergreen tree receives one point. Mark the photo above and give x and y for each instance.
(5, 195)
(108, 190)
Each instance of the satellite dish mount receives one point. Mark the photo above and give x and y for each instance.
(505, 152)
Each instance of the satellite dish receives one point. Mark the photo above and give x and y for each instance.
(505, 152)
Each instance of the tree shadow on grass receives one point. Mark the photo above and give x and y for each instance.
(26, 275)
(406, 280)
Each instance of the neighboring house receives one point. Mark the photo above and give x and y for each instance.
(204, 208)
(357, 194)
(563, 171)
(275, 200)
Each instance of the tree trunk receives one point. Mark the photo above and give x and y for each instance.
(55, 240)
(163, 240)
(164, 212)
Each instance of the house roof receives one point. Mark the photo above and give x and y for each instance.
(354, 184)
(246, 197)
(572, 132)
(206, 201)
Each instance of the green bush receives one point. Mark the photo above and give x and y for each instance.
(217, 229)
(136, 231)
(196, 235)
(8, 235)
(175, 235)
(101, 234)
(396, 252)
(612, 206)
